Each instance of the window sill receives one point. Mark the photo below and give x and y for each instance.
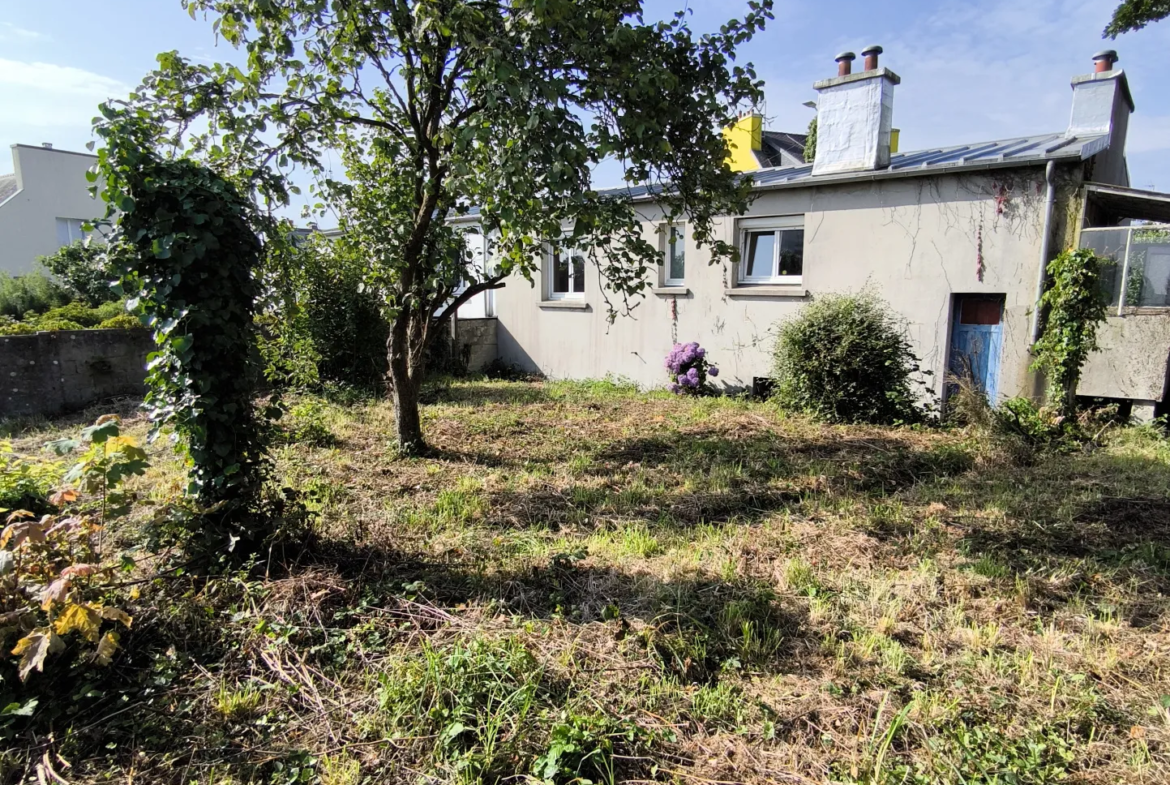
(564, 305)
(749, 290)
(671, 291)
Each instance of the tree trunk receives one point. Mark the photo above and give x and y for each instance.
(405, 361)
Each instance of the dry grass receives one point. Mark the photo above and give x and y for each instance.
(692, 591)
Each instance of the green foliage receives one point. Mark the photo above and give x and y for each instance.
(50, 325)
(9, 326)
(323, 326)
(1134, 15)
(24, 482)
(82, 267)
(56, 581)
(191, 274)
(810, 142)
(1076, 304)
(306, 423)
(845, 359)
(78, 313)
(123, 321)
(33, 292)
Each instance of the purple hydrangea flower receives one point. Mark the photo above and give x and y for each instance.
(712, 371)
(674, 388)
(693, 375)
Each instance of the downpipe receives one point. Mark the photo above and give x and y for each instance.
(1045, 249)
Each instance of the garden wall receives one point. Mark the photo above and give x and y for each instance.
(52, 373)
(478, 338)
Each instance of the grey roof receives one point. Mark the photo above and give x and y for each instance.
(1022, 151)
(7, 186)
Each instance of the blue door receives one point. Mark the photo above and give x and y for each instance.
(977, 341)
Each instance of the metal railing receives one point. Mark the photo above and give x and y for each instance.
(1137, 274)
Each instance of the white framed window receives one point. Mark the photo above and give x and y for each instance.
(771, 250)
(69, 230)
(674, 266)
(566, 273)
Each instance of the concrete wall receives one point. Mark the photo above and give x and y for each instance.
(1131, 359)
(914, 241)
(50, 373)
(478, 338)
(51, 184)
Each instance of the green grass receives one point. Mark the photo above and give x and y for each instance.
(586, 582)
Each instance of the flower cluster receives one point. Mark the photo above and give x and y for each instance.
(689, 369)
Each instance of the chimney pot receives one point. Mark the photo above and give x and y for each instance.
(845, 63)
(1104, 60)
(47, 145)
(871, 57)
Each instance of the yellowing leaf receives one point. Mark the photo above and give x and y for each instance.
(82, 618)
(118, 615)
(61, 498)
(34, 647)
(55, 592)
(106, 648)
(20, 531)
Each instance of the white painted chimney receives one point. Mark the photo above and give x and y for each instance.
(855, 114)
(1101, 106)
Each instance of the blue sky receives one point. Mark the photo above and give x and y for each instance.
(970, 71)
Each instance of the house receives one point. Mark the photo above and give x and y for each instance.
(955, 238)
(43, 204)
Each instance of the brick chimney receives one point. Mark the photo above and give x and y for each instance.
(855, 115)
(1101, 107)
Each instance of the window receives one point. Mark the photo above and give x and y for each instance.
(772, 250)
(567, 278)
(69, 230)
(675, 264)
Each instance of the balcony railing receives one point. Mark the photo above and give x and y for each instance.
(1138, 271)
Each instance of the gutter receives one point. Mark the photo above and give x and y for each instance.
(1045, 249)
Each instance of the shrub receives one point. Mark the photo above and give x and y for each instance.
(25, 483)
(323, 325)
(81, 267)
(122, 321)
(689, 369)
(78, 313)
(57, 581)
(9, 326)
(34, 292)
(53, 325)
(846, 359)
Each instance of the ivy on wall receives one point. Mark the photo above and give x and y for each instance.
(1076, 304)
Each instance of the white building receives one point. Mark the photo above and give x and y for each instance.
(43, 204)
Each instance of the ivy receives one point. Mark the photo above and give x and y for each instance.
(810, 142)
(1077, 304)
(190, 278)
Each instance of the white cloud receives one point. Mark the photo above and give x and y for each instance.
(58, 79)
(9, 31)
(38, 95)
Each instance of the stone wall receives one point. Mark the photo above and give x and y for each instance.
(51, 373)
(477, 337)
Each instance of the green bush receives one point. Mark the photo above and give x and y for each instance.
(846, 359)
(122, 321)
(9, 326)
(324, 326)
(33, 292)
(82, 269)
(25, 483)
(78, 313)
(44, 325)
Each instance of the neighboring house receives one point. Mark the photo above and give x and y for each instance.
(955, 238)
(43, 204)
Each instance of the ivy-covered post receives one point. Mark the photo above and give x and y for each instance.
(1076, 304)
(191, 278)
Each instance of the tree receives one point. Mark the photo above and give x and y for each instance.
(439, 105)
(1135, 14)
(81, 266)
